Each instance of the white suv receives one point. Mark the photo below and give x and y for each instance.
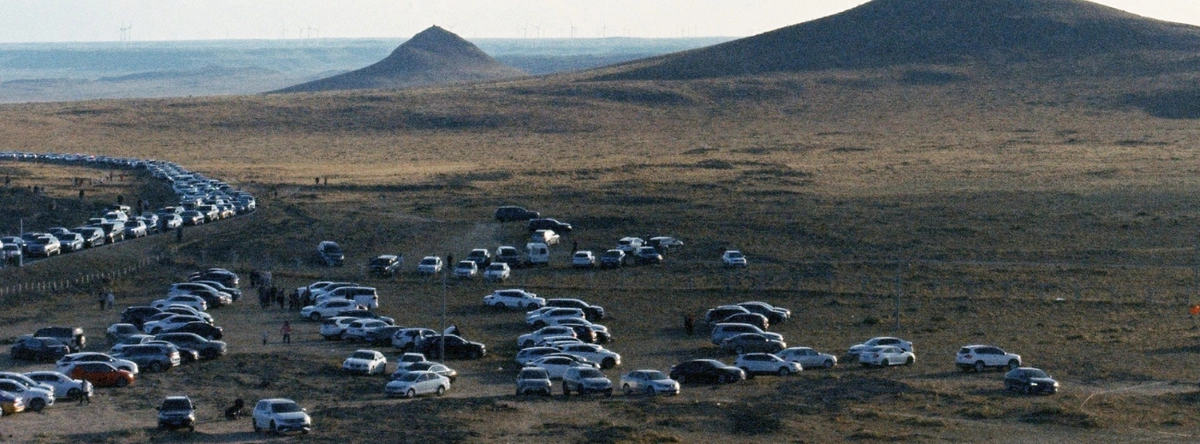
(280, 415)
(882, 340)
(982, 357)
(543, 318)
(529, 339)
(514, 298)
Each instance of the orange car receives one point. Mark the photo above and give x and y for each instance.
(102, 374)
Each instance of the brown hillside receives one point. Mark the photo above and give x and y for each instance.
(433, 56)
(887, 33)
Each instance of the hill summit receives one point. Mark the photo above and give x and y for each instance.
(896, 32)
(433, 56)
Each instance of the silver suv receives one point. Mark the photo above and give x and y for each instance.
(533, 380)
(585, 380)
(177, 412)
(983, 357)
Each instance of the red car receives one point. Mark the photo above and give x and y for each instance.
(102, 374)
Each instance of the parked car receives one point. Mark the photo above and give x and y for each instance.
(234, 293)
(34, 348)
(327, 309)
(530, 339)
(169, 323)
(647, 256)
(808, 358)
(886, 355)
(548, 237)
(192, 217)
(279, 415)
(754, 319)
(413, 384)
(385, 265)
(366, 297)
(590, 311)
(73, 337)
(114, 231)
(722, 331)
(407, 359)
(170, 222)
(983, 357)
(481, 257)
(208, 349)
(129, 341)
(546, 223)
(153, 357)
(455, 346)
(45, 245)
(1030, 381)
(509, 255)
(136, 315)
(715, 315)
(594, 353)
(190, 300)
(733, 258)
(35, 397)
(409, 338)
(612, 259)
(429, 265)
(426, 366)
(466, 269)
(334, 327)
(585, 380)
(67, 363)
(664, 243)
(330, 254)
(752, 342)
(362, 313)
(360, 328)
(116, 332)
(766, 364)
(629, 244)
(135, 229)
(514, 298)
(583, 259)
(650, 382)
(776, 315)
(92, 236)
(225, 277)
(70, 242)
(854, 351)
(202, 328)
(542, 318)
(513, 213)
(556, 365)
(64, 386)
(706, 371)
(497, 272)
(177, 412)
(367, 362)
(535, 381)
(102, 374)
(11, 403)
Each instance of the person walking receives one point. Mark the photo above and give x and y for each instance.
(689, 324)
(286, 330)
(109, 298)
(265, 335)
(100, 298)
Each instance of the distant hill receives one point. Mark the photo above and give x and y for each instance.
(433, 56)
(897, 32)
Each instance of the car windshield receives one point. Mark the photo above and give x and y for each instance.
(655, 375)
(428, 261)
(734, 255)
(531, 373)
(590, 373)
(285, 407)
(363, 355)
(1035, 373)
(333, 249)
(379, 261)
(496, 267)
(409, 377)
(176, 404)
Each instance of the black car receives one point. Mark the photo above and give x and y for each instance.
(207, 349)
(774, 314)
(330, 254)
(233, 292)
(33, 348)
(152, 357)
(225, 277)
(547, 223)
(754, 319)
(715, 315)
(204, 329)
(382, 336)
(137, 315)
(456, 347)
(591, 312)
(509, 255)
(647, 256)
(706, 371)
(177, 412)
(511, 213)
(481, 257)
(1030, 380)
(385, 265)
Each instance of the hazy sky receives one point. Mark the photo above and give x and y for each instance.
(143, 20)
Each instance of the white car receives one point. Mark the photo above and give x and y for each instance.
(542, 318)
(527, 355)
(808, 358)
(280, 415)
(188, 310)
(886, 355)
(171, 221)
(650, 382)
(594, 353)
(408, 359)
(64, 387)
(665, 242)
(629, 244)
(418, 383)
(328, 308)
(335, 327)
(128, 341)
(514, 298)
(195, 302)
(358, 330)
(733, 258)
(766, 364)
(497, 272)
(67, 363)
(168, 324)
(556, 366)
(529, 339)
(881, 340)
(983, 357)
(429, 265)
(36, 397)
(410, 338)
(583, 259)
(466, 269)
(548, 237)
(189, 288)
(367, 362)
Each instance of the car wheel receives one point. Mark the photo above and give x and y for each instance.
(155, 331)
(122, 382)
(37, 404)
(254, 423)
(608, 363)
(156, 366)
(566, 391)
(627, 389)
(682, 379)
(441, 390)
(410, 393)
(909, 361)
(315, 317)
(979, 367)
(650, 391)
(475, 354)
(539, 324)
(725, 378)
(783, 371)
(1013, 364)
(1028, 389)
(828, 364)
(273, 428)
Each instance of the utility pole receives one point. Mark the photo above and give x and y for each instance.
(899, 290)
(445, 292)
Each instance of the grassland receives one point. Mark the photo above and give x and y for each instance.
(1056, 222)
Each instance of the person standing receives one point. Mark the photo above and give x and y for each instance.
(286, 330)
(689, 324)
(109, 298)
(100, 297)
(264, 337)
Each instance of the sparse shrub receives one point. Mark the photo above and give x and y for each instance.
(753, 420)
(870, 320)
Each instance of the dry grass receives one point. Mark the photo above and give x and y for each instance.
(999, 197)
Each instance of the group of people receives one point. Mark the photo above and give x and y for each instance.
(106, 298)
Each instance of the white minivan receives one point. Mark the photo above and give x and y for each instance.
(537, 253)
(364, 296)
